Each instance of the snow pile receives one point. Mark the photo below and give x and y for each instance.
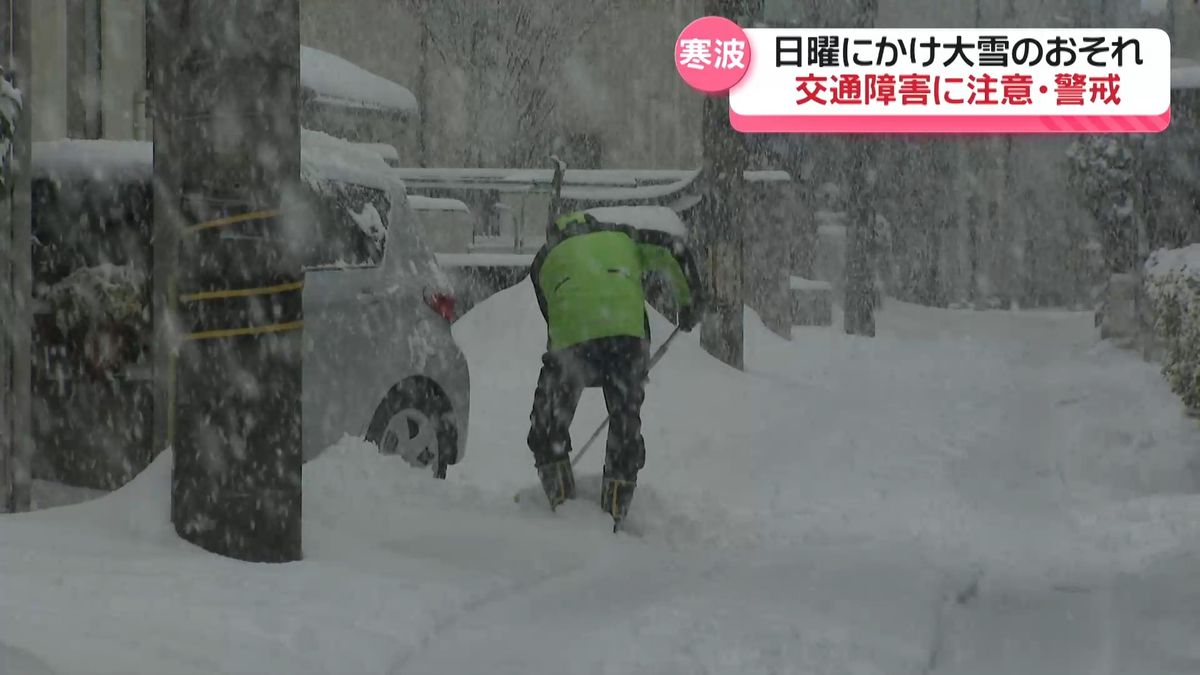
(1174, 262)
(969, 492)
(336, 81)
(656, 218)
(96, 160)
(1173, 285)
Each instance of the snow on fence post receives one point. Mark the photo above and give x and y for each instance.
(232, 144)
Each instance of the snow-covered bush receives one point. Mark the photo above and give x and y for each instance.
(1102, 171)
(102, 312)
(1173, 286)
(102, 294)
(10, 109)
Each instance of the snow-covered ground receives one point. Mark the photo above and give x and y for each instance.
(970, 492)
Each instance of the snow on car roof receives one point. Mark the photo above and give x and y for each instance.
(94, 159)
(336, 81)
(657, 218)
(325, 157)
(423, 203)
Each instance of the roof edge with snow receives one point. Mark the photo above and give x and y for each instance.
(334, 81)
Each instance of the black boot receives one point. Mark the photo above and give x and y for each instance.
(558, 480)
(615, 497)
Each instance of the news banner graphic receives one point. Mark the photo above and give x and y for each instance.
(932, 80)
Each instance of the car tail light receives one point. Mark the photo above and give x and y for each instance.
(442, 303)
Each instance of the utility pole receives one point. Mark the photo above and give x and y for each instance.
(227, 135)
(16, 278)
(721, 215)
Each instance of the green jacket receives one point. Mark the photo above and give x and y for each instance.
(589, 275)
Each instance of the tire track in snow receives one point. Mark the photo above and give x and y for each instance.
(448, 623)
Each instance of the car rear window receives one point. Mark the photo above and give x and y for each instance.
(352, 225)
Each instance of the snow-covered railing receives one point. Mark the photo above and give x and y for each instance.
(1185, 74)
(596, 185)
(423, 203)
(1172, 278)
(515, 260)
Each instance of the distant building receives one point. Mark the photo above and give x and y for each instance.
(90, 80)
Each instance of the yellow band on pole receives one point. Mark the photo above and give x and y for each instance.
(233, 220)
(249, 330)
(241, 292)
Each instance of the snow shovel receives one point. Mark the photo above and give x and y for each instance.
(654, 359)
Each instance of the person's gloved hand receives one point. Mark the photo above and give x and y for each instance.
(688, 317)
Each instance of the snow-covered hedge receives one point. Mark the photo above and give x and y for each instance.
(1173, 286)
(10, 109)
(96, 296)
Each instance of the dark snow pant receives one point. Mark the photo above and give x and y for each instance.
(616, 364)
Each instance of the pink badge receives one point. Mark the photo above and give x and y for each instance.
(712, 54)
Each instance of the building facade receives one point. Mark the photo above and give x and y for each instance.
(90, 78)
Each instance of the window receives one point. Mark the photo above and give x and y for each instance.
(351, 225)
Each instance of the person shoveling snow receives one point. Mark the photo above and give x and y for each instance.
(588, 278)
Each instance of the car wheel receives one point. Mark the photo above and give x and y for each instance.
(416, 422)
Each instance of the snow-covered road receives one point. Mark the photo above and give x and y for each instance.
(969, 493)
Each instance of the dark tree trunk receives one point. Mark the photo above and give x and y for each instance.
(721, 217)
